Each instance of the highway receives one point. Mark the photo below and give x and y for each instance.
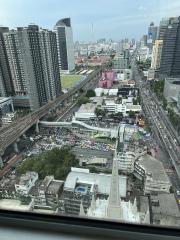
(9, 134)
(159, 123)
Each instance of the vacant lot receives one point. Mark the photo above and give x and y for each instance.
(68, 81)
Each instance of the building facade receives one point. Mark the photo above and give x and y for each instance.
(65, 43)
(51, 62)
(156, 54)
(152, 32)
(26, 182)
(170, 57)
(121, 60)
(6, 84)
(34, 66)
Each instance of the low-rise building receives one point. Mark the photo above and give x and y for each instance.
(48, 192)
(16, 205)
(125, 107)
(26, 182)
(6, 105)
(8, 118)
(86, 112)
(81, 185)
(165, 210)
(107, 79)
(97, 161)
(7, 187)
(123, 75)
(105, 83)
(156, 179)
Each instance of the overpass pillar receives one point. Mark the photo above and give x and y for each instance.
(15, 147)
(37, 127)
(1, 162)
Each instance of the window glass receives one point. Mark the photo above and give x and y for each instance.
(90, 109)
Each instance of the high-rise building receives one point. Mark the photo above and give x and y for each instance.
(163, 26)
(34, 65)
(170, 57)
(152, 32)
(144, 40)
(6, 85)
(156, 54)
(65, 43)
(121, 60)
(51, 62)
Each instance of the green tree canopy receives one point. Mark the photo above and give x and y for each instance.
(83, 100)
(100, 112)
(57, 162)
(132, 114)
(90, 93)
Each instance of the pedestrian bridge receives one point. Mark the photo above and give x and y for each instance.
(112, 131)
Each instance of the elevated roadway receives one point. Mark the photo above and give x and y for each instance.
(160, 124)
(111, 131)
(10, 134)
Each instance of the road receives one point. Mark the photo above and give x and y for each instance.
(158, 121)
(17, 128)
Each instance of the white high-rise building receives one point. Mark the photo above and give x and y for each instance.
(64, 35)
(156, 54)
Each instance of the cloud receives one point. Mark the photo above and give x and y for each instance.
(114, 19)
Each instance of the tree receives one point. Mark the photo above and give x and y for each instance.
(57, 162)
(100, 112)
(119, 114)
(158, 87)
(164, 103)
(132, 114)
(90, 93)
(83, 100)
(93, 169)
(173, 117)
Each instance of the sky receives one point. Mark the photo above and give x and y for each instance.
(91, 19)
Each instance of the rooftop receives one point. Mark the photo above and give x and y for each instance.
(96, 160)
(15, 205)
(102, 180)
(45, 183)
(55, 186)
(155, 167)
(167, 205)
(88, 107)
(4, 99)
(25, 178)
(144, 204)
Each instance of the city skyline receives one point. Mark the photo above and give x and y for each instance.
(90, 20)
